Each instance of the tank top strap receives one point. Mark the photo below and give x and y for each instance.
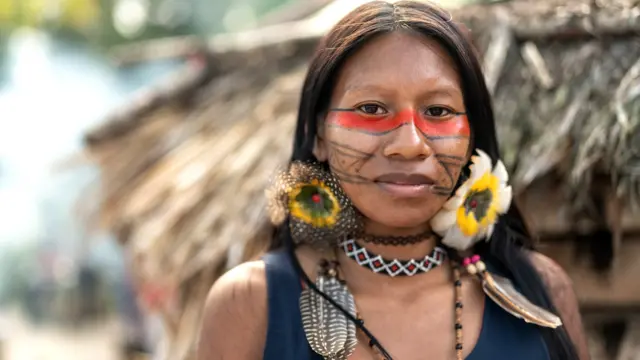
(285, 335)
(517, 339)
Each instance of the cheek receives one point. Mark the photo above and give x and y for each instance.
(455, 147)
(347, 146)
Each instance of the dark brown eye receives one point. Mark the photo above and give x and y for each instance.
(372, 109)
(438, 111)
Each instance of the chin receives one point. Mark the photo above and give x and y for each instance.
(399, 214)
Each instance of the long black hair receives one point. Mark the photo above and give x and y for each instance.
(511, 238)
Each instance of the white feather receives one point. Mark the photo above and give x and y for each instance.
(443, 221)
(500, 171)
(457, 240)
(504, 199)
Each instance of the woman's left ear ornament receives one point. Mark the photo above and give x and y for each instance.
(320, 214)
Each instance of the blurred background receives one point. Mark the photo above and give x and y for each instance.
(61, 285)
(96, 95)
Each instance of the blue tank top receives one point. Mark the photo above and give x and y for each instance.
(503, 336)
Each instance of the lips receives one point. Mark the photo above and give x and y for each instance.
(405, 185)
(404, 179)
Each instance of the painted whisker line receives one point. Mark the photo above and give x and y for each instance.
(442, 137)
(348, 152)
(451, 157)
(445, 137)
(442, 191)
(349, 178)
(372, 133)
(359, 156)
(345, 146)
(447, 164)
(335, 163)
(353, 164)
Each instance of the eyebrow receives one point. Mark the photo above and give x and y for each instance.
(357, 88)
(439, 89)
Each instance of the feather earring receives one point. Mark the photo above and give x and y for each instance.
(468, 217)
(502, 291)
(320, 213)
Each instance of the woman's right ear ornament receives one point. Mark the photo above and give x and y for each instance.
(468, 217)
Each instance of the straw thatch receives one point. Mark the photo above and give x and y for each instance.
(185, 165)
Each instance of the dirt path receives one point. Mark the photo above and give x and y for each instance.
(22, 341)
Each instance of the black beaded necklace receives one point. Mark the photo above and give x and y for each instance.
(394, 240)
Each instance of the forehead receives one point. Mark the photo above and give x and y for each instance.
(399, 61)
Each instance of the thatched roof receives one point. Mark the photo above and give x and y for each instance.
(185, 165)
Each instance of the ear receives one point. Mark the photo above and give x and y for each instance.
(320, 150)
(470, 150)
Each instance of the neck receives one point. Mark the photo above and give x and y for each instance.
(363, 281)
(401, 252)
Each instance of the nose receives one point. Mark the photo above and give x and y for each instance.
(407, 143)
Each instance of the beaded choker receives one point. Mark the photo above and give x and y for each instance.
(395, 267)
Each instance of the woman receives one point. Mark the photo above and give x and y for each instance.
(395, 109)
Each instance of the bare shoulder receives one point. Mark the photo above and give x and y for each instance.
(234, 321)
(552, 274)
(562, 294)
(558, 283)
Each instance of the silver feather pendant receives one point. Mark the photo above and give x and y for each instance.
(503, 293)
(328, 330)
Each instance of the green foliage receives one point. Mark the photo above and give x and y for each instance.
(93, 20)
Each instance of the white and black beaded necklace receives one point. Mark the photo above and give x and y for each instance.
(394, 267)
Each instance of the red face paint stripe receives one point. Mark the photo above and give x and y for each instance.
(457, 125)
(354, 121)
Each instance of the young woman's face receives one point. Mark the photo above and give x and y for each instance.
(395, 133)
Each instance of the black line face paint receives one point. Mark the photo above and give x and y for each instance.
(346, 161)
(451, 164)
(396, 132)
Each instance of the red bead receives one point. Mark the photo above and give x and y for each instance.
(475, 259)
(473, 204)
(315, 198)
(466, 261)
